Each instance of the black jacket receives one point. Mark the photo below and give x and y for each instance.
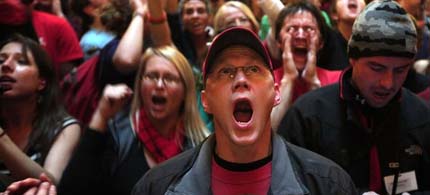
(107, 164)
(327, 121)
(294, 171)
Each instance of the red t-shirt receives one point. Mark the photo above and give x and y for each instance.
(226, 182)
(326, 77)
(57, 37)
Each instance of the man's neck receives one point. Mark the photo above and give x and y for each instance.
(243, 154)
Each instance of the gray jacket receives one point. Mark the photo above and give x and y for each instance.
(294, 171)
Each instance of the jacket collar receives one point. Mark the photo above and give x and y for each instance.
(197, 180)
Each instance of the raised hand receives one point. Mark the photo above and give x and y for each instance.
(309, 73)
(290, 70)
(113, 99)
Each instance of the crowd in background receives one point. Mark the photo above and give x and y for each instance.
(94, 93)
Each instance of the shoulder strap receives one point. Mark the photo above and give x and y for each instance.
(123, 136)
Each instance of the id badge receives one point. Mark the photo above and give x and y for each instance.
(407, 181)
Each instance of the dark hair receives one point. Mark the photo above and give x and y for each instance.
(77, 8)
(182, 3)
(116, 16)
(50, 111)
(296, 7)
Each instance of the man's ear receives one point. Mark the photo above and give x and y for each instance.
(204, 102)
(352, 61)
(277, 99)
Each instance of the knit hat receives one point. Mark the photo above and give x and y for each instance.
(383, 29)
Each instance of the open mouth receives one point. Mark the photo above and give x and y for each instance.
(381, 94)
(352, 6)
(300, 51)
(243, 111)
(4, 88)
(5, 79)
(159, 100)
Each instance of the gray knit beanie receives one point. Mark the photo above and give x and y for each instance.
(383, 29)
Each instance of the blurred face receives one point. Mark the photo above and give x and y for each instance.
(235, 17)
(379, 78)
(412, 7)
(348, 10)
(195, 17)
(240, 93)
(301, 26)
(162, 89)
(19, 77)
(98, 3)
(13, 12)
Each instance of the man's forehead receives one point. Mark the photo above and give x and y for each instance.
(300, 14)
(387, 61)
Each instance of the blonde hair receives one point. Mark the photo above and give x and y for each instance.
(194, 127)
(220, 15)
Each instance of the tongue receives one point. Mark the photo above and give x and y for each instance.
(243, 116)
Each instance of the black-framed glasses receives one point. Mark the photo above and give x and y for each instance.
(230, 72)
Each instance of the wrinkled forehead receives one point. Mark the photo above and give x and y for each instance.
(301, 16)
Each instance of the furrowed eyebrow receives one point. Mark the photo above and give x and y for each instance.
(376, 64)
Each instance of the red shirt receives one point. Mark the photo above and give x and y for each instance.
(57, 37)
(226, 182)
(326, 77)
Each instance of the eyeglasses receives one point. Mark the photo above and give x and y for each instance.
(167, 80)
(249, 71)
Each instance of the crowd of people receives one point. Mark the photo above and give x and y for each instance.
(214, 97)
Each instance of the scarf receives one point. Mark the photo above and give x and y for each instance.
(160, 147)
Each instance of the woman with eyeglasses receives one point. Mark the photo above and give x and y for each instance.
(161, 121)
